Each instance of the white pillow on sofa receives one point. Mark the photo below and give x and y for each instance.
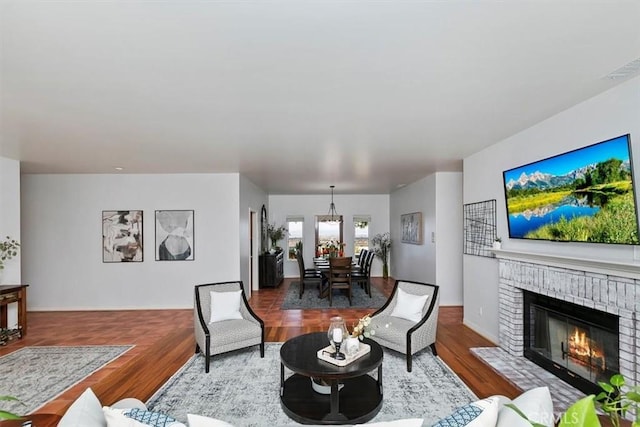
(225, 305)
(536, 404)
(85, 411)
(409, 306)
(200, 421)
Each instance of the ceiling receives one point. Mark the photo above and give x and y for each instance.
(296, 95)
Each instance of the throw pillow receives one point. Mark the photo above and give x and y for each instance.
(151, 418)
(85, 411)
(409, 306)
(200, 421)
(536, 404)
(115, 418)
(225, 305)
(482, 413)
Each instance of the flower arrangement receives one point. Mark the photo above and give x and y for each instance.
(8, 249)
(275, 233)
(381, 246)
(332, 248)
(363, 329)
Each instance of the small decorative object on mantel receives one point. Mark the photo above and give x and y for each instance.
(497, 243)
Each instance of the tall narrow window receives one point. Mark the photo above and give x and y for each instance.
(360, 233)
(328, 234)
(295, 225)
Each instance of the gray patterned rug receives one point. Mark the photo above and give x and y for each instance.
(243, 389)
(35, 375)
(359, 298)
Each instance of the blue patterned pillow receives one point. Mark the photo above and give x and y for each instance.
(482, 413)
(155, 419)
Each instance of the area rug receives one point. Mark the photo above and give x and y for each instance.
(243, 389)
(359, 298)
(35, 375)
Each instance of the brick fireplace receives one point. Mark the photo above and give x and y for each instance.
(609, 287)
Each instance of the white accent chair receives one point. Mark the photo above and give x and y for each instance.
(403, 335)
(227, 335)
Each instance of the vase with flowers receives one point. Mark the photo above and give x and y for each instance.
(381, 247)
(275, 234)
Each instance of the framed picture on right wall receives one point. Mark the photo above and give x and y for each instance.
(411, 225)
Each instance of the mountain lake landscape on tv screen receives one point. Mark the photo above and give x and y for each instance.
(585, 195)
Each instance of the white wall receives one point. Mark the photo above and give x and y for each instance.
(409, 261)
(613, 113)
(10, 226)
(251, 200)
(62, 239)
(449, 237)
(10, 215)
(347, 205)
(438, 260)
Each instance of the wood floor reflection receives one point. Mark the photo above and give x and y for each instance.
(163, 342)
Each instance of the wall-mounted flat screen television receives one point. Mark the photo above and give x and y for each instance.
(585, 195)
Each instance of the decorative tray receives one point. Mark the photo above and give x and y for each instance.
(325, 354)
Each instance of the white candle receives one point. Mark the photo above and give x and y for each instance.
(337, 335)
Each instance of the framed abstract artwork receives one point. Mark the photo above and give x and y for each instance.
(174, 235)
(411, 225)
(122, 236)
(479, 228)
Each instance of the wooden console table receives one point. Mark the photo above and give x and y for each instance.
(8, 295)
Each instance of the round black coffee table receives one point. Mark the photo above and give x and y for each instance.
(357, 401)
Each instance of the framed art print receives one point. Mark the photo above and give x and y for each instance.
(411, 225)
(174, 235)
(122, 236)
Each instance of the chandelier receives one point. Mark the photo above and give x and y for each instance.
(335, 217)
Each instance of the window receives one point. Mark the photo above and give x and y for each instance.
(360, 233)
(295, 225)
(327, 232)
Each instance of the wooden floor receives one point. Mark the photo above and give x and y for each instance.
(163, 342)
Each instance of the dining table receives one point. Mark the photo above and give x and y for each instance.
(321, 265)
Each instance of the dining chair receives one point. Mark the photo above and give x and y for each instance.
(308, 276)
(339, 276)
(363, 276)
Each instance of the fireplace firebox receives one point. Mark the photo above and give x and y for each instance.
(576, 343)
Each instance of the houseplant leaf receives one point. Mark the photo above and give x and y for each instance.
(582, 413)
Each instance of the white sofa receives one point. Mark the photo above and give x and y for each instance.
(87, 411)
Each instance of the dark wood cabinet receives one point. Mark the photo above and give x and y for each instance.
(271, 269)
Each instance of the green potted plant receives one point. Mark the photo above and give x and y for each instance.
(381, 247)
(615, 402)
(8, 249)
(6, 415)
(275, 234)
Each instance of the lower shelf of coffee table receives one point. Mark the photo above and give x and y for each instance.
(359, 401)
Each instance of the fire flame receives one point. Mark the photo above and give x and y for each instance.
(585, 351)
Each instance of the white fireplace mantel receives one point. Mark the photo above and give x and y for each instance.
(601, 266)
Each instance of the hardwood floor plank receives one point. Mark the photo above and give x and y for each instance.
(163, 342)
